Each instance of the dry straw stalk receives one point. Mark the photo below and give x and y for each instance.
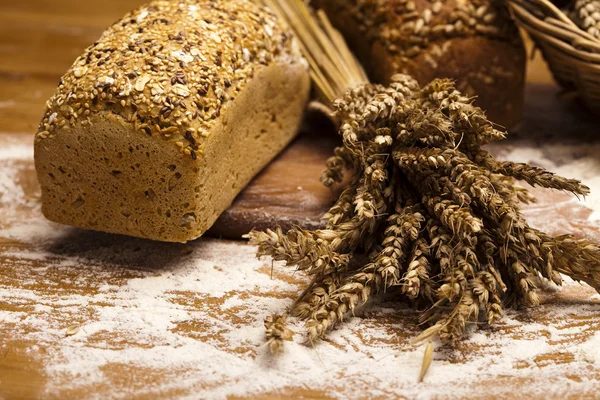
(435, 215)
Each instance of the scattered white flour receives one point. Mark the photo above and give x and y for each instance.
(7, 103)
(11, 163)
(10, 190)
(17, 149)
(188, 319)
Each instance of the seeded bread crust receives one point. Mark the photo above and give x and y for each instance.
(159, 124)
(473, 42)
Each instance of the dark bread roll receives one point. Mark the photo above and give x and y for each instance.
(473, 42)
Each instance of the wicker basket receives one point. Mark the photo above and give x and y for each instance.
(572, 54)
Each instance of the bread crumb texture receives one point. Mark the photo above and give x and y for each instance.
(169, 68)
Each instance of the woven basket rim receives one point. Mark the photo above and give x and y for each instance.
(572, 53)
(551, 22)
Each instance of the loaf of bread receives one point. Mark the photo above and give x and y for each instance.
(473, 42)
(586, 14)
(159, 124)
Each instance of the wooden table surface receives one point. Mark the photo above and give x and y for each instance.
(44, 266)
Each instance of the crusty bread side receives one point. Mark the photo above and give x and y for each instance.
(157, 139)
(473, 42)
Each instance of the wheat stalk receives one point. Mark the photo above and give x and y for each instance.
(333, 67)
(434, 213)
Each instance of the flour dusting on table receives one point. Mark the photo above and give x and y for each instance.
(12, 156)
(187, 319)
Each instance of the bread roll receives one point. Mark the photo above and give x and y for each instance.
(586, 14)
(160, 123)
(471, 41)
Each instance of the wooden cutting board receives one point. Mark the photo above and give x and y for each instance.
(288, 191)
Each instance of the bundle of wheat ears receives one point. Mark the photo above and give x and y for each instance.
(435, 214)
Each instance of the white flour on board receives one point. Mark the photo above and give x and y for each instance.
(193, 316)
(11, 157)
